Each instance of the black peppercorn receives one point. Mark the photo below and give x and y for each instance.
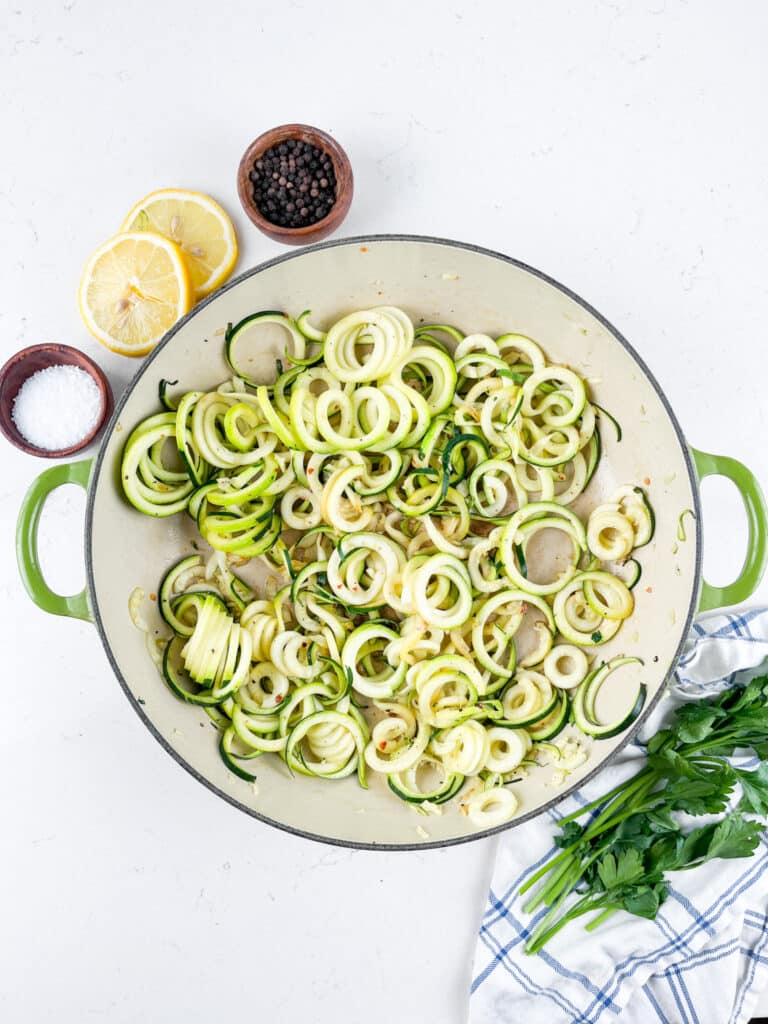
(289, 169)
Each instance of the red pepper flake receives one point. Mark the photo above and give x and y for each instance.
(153, 597)
(649, 590)
(383, 745)
(363, 248)
(647, 481)
(310, 470)
(278, 698)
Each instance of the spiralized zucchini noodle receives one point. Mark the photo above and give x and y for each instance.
(398, 481)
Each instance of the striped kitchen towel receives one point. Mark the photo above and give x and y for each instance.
(705, 957)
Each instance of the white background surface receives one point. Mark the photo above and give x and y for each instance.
(620, 147)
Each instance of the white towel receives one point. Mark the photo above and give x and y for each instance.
(705, 957)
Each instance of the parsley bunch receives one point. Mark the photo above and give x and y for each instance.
(619, 859)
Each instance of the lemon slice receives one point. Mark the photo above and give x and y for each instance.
(198, 225)
(133, 289)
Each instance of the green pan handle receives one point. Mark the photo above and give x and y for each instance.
(76, 606)
(756, 558)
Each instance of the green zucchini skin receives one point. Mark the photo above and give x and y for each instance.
(399, 487)
(586, 695)
(554, 723)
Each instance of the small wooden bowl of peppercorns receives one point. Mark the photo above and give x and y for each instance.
(295, 183)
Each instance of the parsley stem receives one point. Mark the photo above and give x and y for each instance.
(567, 853)
(554, 885)
(597, 921)
(637, 808)
(567, 880)
(714, 740)
(610, 817)
(629, 793)
(601, 800)
(585, 905)
(556, 874)
(585, 865)
(551, 916)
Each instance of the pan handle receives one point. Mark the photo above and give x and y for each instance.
(76, 605)
(756, 557)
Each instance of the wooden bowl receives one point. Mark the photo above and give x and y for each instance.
(38, 357)
(344, 183)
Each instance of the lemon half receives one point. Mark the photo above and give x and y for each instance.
(133, 289)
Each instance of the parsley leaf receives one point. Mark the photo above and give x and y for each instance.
(734, 836)
(622, 870)
(695, 722)
(569, 834)
(661, 820)
(698, 796)
(644, 901)
(671, 765)
(754, 787)
(665, 854)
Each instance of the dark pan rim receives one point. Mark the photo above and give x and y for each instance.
(96, 472)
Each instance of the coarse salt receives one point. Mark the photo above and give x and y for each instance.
(57, 407)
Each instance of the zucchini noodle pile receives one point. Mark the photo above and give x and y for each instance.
(398, 492)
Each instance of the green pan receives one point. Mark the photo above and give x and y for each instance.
(439, 281)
